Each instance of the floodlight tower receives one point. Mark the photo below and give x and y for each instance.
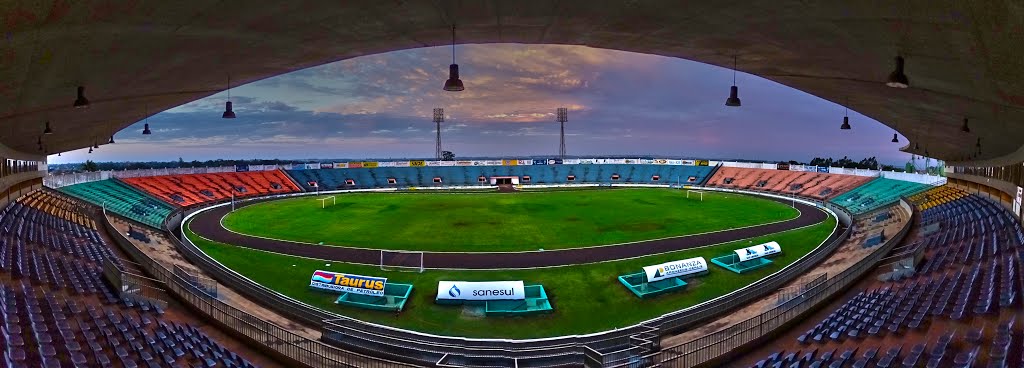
(438, 119)
(562, 116)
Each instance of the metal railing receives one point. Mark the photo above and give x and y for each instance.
(611, 346)
(717, 345)
(275, 339)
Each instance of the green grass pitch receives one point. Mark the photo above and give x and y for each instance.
(499, 222)
(586, 298)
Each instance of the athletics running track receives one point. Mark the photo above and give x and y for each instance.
(207, 225)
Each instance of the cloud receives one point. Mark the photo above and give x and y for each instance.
(382, 105)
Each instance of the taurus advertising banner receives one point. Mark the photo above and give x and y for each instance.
(345, 283)
(483, 290)
(675, 269)
(758, 251)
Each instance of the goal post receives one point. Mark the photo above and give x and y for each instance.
(401, 260)
(695, 194)
(323, 201)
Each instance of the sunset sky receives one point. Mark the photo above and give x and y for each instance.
(621, 104)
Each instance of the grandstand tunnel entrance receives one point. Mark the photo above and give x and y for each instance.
(504, 180)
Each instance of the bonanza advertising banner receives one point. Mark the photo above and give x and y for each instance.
(345, 283)
(758, 251)
(340, 165)
(485, 290)
(327, 165)
(417, 163)
(675, 269)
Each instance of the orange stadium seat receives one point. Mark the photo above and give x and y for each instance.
(804, 183)
(191, 189)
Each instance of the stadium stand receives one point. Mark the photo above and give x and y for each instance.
(56, 310)
(959, 309)
(191, 189)
(383, 177)
(803, 183)
(123, 200)
(876, 193)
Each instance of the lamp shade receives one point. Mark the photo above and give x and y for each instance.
(228, 113)
(898, 79)
(734, 99)
(81, 102)
(453, 84)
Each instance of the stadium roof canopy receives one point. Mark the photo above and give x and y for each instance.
(963, 58)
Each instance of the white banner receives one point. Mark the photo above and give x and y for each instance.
(485, 290)
(1016, 202)
(525, 162)
(758, 251)
(675, 269)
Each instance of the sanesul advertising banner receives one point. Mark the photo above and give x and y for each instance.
(758, 251)
(675, 269)
(345, 283)
(481, 290)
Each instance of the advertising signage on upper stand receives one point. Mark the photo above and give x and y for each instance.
(481, 290)
(782, 166)
(758, 251)
(675, 269)
(345, 283)
(823, 169)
